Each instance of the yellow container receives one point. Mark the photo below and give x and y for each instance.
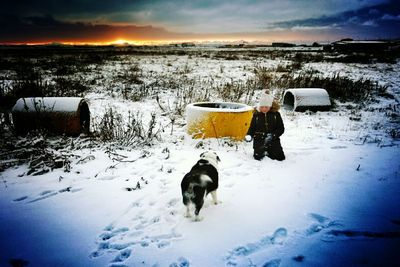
(218, 119)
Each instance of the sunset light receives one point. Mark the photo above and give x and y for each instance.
(144, 22)
(212, 133)
(121, 42)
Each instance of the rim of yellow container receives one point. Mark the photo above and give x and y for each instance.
(240, 107)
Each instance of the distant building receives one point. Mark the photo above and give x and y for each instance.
(280, 44)
(188, 45)
(350, 46)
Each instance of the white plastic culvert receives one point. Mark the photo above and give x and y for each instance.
(302, 99)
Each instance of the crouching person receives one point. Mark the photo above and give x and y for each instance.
(265, 129)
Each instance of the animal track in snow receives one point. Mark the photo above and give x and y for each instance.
(20, 198)
(322, 223)
(105, 244)
(173, 202)
(47, 194)
(147, 228)
(44, 195)
(334, 235)
(110, 234)
(272, 263)
(182, 262)
(123, 255)
(241, 252)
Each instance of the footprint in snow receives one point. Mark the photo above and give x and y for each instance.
(122, 239)
(237, 253)
(105, 244)
(173, 202)
(20, 198)
(146, 223)
(182, 262)
(44, 195)
(338, 147)
(163, 244)
(334, 235)
(107, 177)
(230, 185)
(161, 241)
(318, 217)
(110, 234)
(123, 255)
(272, 263)
(321, 224)
(47, 194)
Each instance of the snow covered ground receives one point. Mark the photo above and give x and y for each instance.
(334, 201)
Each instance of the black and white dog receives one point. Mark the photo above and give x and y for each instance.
(201, 180)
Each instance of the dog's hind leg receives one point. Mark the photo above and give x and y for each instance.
(214, 197)
(186, 202)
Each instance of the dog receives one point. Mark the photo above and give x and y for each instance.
(199, 181)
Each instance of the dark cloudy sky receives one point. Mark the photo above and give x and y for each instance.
(32, 21)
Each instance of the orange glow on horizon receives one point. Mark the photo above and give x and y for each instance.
(121, 41)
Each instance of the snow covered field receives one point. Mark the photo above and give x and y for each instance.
(334, 201)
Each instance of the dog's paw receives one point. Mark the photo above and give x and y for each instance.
(198, 218)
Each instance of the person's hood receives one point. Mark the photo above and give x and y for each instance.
(274, 108)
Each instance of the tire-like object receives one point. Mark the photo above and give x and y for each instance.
(218, 119)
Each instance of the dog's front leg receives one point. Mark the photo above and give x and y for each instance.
(214, 197)
(187, 214)
(198, 218)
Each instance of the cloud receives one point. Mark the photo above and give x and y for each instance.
(182, 15)
(367, 22)
(371, 23)
(96, 20)
(45, 28)
(390, 17)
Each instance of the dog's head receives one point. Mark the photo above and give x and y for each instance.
(211, 157)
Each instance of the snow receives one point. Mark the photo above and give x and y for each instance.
(332, 202)
(54, 104)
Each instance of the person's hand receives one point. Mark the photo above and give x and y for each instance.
(268, 139)
(248, 138)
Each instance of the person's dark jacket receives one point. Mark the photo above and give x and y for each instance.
(263, 124)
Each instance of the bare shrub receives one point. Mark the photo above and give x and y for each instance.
(131, 75)
(263, 77)
(235, 91)
(339, 87)
(40, 152)
(138, 92)
(182, 97)
(29, 83)
(64, 87)
(283, 68)
(113, 128)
